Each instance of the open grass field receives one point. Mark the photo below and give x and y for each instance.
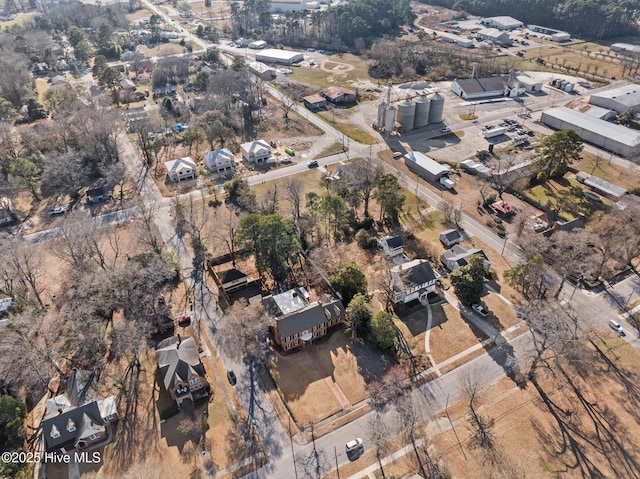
(339, 120)
(567, 198)
(585, 57)
(338, 70)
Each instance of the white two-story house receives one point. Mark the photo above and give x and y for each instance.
(219, 161)
(255, 151)
(181, 169)
(412, 280)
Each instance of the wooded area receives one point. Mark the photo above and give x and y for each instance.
(583, 18)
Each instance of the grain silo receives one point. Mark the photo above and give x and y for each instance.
(390, 120)
(406, 114)
(422, 112)
(436, 108)
(382, 112)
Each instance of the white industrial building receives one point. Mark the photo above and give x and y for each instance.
(261, 70)
(284, 57)
(425, 166)
(511, 85)
(456, 39)
(618, 99)
(551, 33)
(625, 47)
(502, 23)
(288, 6)
(494, 35)
(257, 45)
(608, 136)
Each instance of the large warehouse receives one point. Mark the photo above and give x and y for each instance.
(288, 6)
(608, 136)
(285, 57)
(502, 23)
(618, 99)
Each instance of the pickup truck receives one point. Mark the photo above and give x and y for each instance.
(447, 183)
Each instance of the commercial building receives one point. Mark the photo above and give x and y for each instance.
(426, 167)
(476, 88)
(608, 136)
(625, 48)
(502, 23)
(288, 6)
(618, 99)
(551, 33)
(257, 45)
(456, 39)
(494, 35)
(338, 94)
(261, 70)
(284, 57)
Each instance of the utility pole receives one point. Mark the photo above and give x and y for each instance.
(335, 453)
(293, 455)
(446, 411)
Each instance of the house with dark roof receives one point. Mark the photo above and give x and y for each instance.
(78, 418)
(412, 280)
(391, 245)
(297, 322)
(98, 194)
(450, 237)
(458, 256)
(232, 280)
(183, 373)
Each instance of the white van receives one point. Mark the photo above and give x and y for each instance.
(447, 183)
(615, 325)
(354, 445)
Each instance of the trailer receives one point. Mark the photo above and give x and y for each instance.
(493, 132)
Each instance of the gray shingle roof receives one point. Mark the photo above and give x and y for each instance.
(178, 359)
(488, 84)
(312, 315)
(86, 419)
(413, 273)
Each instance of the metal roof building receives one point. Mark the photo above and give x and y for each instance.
(285, 57)
(625, 47)
(502, 22)
(456, 39)
(618, 99)
(603, 134)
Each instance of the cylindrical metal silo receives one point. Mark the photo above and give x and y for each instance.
(390, 120)
(382, 112)
(436, 108)
(561, 84)
(422, 112)
(568, 87)
(406, 114)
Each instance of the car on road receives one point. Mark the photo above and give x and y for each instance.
(397, 154)
(478, 308)
(231, 377)
(286, 160)
(184, 321)
(445, 130)
(60, 210)
(615, 325)
(354, 446)
(312, 164)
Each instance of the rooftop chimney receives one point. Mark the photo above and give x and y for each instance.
(59, 410)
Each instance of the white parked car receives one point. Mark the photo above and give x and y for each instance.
(60, 210)
(478, 308)
(445, 130)
(354, 445)
(615, 325)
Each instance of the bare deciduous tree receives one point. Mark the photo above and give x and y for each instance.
(293, 194)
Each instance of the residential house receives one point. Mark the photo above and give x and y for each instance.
(78, 418)
(315, 102)
(219, 161)
(181, 169)
(548, 223)
(450, 237)
(338, 94)
(458, 256)
(183, 373)
(503, 208)
(98, 194)
(412, 280)
(391, 245)
(256, 151)
(126, 84)
(167, 90)
(232, 280)
(297, 322)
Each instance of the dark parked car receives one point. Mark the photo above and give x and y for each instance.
(231, 376)
(184, 321)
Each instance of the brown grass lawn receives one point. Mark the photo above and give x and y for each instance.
(502, 314)
(574, 58)
(450, 334)
(334, 72)
(162, 50)
(303, 388)
(138, 14)
(413, 326)
(338, 119)
(615, 174)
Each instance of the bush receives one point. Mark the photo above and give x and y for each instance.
(634, 191)
(364, 240)
(490, 200)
